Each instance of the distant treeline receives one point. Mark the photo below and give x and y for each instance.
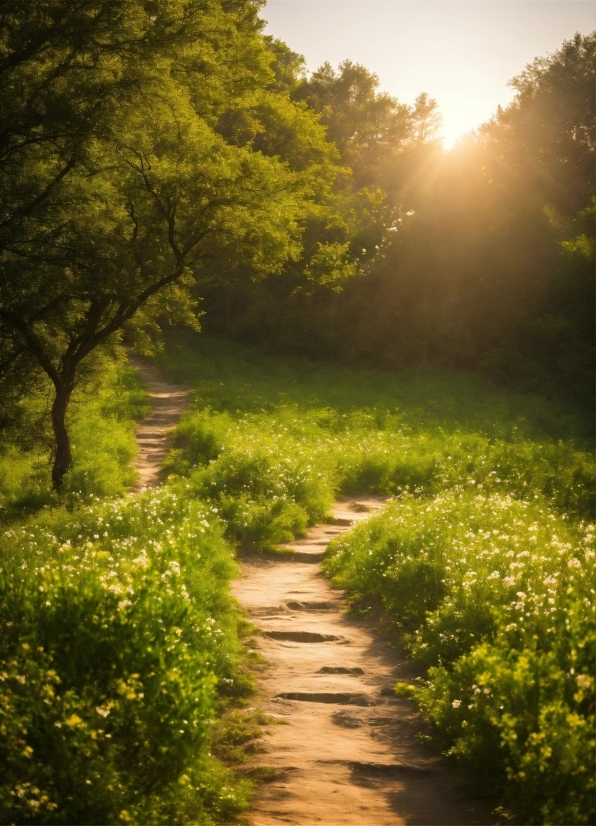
(483, 257)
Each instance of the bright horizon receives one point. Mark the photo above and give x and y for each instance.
(462, 52)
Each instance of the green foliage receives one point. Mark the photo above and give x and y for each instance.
(117, 627)
(102, 421)
(272, 442)
(129, 176)
(369, 127)
(483, 564)
(495, 597)
(472, 271)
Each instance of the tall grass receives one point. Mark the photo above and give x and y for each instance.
(483, 564)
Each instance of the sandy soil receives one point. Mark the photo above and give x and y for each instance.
(346, 753)
(168, 401)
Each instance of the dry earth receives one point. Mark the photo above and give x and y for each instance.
(168, 402)
(345, 752)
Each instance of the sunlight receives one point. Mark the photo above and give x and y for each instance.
(452, 136)
(462, 113)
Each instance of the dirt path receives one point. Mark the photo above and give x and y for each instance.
(348, 755)
(168, 401)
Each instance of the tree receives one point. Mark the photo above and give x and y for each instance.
(366, 125)
(546, 135)
(118, 192)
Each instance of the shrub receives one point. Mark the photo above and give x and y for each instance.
(495, 597)
(117, 627)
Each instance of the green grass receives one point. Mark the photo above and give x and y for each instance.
(483, 565)
(271, 442)
(102, 419)
(121, 643)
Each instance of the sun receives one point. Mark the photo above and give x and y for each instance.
(452, 137)
(462, 114)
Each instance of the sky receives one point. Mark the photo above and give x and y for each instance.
(462, 52)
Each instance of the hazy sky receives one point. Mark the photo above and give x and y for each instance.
(462, 52)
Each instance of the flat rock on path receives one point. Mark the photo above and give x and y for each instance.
(347, 754)
(168, 401)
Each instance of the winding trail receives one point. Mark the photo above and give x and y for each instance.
(348, 754)
(345, 752)
(168, 402)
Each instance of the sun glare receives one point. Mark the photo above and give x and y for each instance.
(461, 115)
(452, 136)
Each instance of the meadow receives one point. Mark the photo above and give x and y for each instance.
(481, 568)
(121, 640)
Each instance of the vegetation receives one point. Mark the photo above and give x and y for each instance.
(122, 185)
(163, 158)
(487, 262)
(494, 597)
(131, 584)
(117, 625)
(118, 640)
(102, 419)
(483, 564)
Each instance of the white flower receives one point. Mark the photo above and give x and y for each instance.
(456, 703)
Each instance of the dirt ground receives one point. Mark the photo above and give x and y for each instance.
(348, 753)
(168, 402)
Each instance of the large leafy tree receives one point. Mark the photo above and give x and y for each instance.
(119, 189)
(380, 144)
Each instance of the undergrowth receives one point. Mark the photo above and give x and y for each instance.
(102, 419)
(484, 563)
(494, 597)
(120, 642)
(271, 443)
(118, 628)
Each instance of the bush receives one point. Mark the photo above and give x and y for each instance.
(495, 597)
(117, 627)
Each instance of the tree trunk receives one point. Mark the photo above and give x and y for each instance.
(63, 456)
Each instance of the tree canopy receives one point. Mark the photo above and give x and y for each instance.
(124, 181)
(487, 261)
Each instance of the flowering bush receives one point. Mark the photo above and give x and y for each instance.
(495, 597)
(117, 625)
